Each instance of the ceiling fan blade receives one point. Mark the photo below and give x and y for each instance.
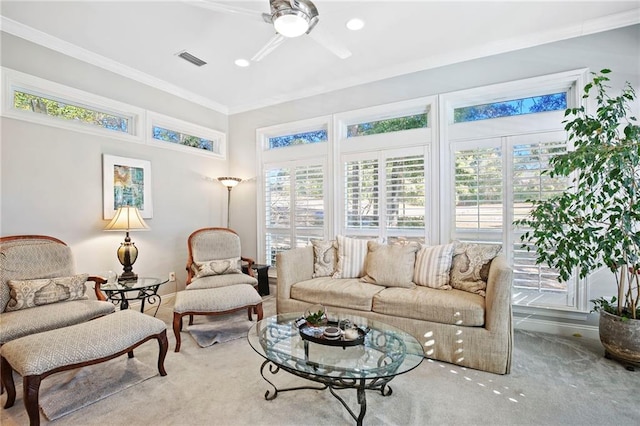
(330, 43)
(271, 45)
(226, 8)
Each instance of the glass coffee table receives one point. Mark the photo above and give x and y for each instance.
(383, 353)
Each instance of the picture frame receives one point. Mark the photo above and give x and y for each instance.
(126, 181)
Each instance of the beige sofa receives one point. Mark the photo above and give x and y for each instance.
(454, 326)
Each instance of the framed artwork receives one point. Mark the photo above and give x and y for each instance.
(126, 182)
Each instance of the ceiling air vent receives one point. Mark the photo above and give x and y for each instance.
(190, 58)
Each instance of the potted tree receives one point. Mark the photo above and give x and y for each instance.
(596, 221)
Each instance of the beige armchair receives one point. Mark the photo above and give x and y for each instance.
(214, 256)
(39, 288)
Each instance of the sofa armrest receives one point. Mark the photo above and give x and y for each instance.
(293, 266)
(498, 296)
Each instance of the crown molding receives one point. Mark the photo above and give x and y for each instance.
(605, 23)
(43, 39)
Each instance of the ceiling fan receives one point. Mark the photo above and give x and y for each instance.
(290, 18)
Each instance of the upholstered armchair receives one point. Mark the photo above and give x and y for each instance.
(215, 260)
(39, 288)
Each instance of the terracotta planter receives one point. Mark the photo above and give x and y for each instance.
(621, 339)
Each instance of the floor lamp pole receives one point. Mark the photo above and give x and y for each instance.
(229, 188)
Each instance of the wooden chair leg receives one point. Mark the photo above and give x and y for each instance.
(31, 386)
(259, 311)
(163, 344)
(249, 311)
(7, 381)
(190, 319)
(177, 328)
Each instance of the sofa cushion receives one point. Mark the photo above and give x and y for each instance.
(218, 267)
(470, 266)
(433, 264)
(31, 293)
(390, 265)
(352, 253)
(324, 258)
(429, 304)
(344, 293)
(49, 317)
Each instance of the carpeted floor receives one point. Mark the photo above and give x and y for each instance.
(554, 381)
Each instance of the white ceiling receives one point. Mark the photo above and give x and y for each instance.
(140, 39)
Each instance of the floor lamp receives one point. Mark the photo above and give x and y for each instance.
(229, 182)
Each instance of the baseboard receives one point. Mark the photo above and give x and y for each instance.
(555, 327)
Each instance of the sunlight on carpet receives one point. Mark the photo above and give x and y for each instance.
(64, 393)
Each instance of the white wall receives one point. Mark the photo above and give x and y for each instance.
(51, 178)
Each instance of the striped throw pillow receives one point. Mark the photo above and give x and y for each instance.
(352, 253)
(432, 266)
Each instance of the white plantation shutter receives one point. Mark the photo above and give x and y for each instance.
(361, 194)
(405, 192)
(479, 197)
(294, 207)
(530, 161)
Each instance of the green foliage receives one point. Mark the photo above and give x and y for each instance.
(315, 317)
(596, 221)
(397, 124)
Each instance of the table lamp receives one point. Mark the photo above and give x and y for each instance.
(229, 182)
(127, 218)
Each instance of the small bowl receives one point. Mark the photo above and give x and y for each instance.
(332, 332)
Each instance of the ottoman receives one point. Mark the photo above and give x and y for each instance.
(214, 301)
(38, 355)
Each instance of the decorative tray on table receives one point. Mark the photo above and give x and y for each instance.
(329, 334)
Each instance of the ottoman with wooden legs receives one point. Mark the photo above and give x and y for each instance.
(214, 301)
(38, 355)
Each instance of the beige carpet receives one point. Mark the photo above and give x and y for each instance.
(554, 381)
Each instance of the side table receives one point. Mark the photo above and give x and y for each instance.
(262, 272)
(144, 289)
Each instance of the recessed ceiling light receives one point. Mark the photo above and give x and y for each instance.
(355, 24)
(242, 63)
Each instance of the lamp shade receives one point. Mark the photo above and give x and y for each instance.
(229, 182)
(126, 218)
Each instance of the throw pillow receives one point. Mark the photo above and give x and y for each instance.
(390, 265)
(351, 256)
(470, 266)
(433, 264)
(31, 293)
(218, 267)
(324, 258)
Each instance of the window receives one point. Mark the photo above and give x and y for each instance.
(530, 105)
(184, 139)
(66, 110)
(315, 136)
(386, 126)
(172, 133)
(294, 207)
(385, 196)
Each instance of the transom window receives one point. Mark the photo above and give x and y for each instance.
(184, 139)
(304, 138)
(67, 110)
(530, 105)
(388, 125)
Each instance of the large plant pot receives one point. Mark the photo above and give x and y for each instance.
(621, 339)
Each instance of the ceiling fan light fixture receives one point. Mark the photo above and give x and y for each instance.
(291, 23)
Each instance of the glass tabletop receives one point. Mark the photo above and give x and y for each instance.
(386, 351)
(139, 284)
